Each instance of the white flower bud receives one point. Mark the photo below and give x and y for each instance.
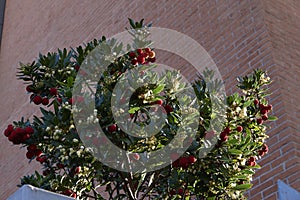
(71, 127)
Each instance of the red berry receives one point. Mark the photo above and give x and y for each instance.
(141, 59)
(256, 101)
(134, 62)
(261, 153)
(159, 102)
(260, 121)
(29, 88)
(131, 116)
(32, 147)
(20, 131)
(261, 106)
(12, 136)
(112, 128)
(264, 111)
(223, 136)
(132, 55)
(41, 159)
(192, 159)
(37, 100)
(38, 152)
(264, 117)
(67, 192)
(29, 130)
(46, 172)
(168, 108)
(139, 51)
(59, 100)
(53, 91)
(10, 128)
(252, 159)
(6, 133)
(269, 107)
(172, 192)
(180, 191)
(227, 130)
(74, 195)
(135, 156)
(265, 148)
(147, 49)
(184, 162)
(71, 101)
(77, 170)
(25, 137)
(239, 129)
(175, 164)
(76, 67)
(30, 154)
(45, 101)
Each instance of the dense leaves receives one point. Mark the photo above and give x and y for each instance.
(69, 167)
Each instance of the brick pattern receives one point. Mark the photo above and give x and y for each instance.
(282, 22)
(238, 34)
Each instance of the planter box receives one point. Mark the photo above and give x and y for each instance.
(28, 192)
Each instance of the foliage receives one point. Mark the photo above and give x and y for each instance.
(70, 168)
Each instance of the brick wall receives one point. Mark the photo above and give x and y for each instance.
(239, 35)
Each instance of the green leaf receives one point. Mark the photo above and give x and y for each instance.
(243, 186)
(246, 171)
(247, 103)
(131, 23)
(235, 151)
(272, 118)
(133, 110)
(158, 89)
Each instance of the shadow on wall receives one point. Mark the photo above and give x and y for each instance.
(286, 192)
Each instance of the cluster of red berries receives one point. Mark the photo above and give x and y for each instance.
(142, 56)
(18, 135)
(33, 151)
(69, 193)
(184, 162)
(224, 134)
(264, 110)
(38, 99)
(263, 150)
(251, 161)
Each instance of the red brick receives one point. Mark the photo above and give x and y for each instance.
(239, 35)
